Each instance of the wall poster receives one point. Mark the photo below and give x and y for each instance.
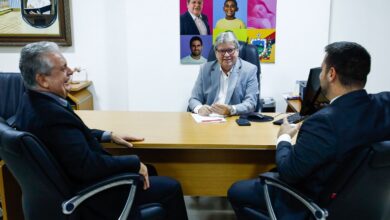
(252, 21)
(26, 21)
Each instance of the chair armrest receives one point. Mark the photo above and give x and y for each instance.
(131, 179)
(273, 179)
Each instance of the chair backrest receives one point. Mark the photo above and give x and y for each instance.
(363, 189)
(12, 90)
(248, 53)
(42, 182)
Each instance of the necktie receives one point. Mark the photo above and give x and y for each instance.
(201, 26)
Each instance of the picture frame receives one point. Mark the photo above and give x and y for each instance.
(28, 34)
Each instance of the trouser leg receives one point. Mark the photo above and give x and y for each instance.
(247, 193)
(166, 191)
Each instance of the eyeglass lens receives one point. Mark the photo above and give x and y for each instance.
(224, 51)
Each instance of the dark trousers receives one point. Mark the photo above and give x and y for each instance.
(247, 193)
(250, 194)
(166, 191)
(163, 190)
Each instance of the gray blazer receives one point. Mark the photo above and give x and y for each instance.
(243, 87)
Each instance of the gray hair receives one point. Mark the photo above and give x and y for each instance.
(33, 60)
(226, 37)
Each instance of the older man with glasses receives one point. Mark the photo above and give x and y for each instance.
(227, 86)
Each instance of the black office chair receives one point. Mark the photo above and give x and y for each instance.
(46, 191)
(250, 54)
(12, 89)
(359, 190)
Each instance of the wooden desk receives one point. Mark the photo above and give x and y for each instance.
(79, 97)
(205, 158)
(11, 196)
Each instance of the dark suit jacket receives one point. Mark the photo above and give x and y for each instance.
(72, 143)
(188, 26)
(328, 136)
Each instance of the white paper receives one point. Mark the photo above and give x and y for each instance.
(208, 119)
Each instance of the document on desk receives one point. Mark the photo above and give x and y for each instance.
(208, 119)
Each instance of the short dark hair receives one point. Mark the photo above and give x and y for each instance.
(194, 38)
(235, 2)
(351, 61)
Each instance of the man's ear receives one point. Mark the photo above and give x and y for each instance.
(41, 80)
(331, 75)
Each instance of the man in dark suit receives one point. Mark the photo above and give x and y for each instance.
(193, 22)
(45, 113)
(353, 119)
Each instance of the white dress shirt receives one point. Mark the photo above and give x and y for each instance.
(199, 24)
(223, 88)
(286, 137)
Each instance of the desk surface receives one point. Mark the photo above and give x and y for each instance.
(205, 158)
(178, 130)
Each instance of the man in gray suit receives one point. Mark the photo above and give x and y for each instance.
(227, 86)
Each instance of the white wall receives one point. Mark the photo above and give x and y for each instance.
(367, 23)
(99, 45)
(132, 51)
(157, 82)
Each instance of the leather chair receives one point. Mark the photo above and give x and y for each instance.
(45, 188)
(12, 90)
(360, 189)
(250, 54)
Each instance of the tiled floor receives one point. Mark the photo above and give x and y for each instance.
(209, 208)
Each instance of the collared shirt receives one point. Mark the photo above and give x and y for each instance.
(58, 99)
(334, 99)
(223, 88)
(106, 136)
(286, 137)
(199, 23)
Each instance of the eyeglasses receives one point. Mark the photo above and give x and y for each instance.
(230, 51)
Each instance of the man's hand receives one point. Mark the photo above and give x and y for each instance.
(205, 110)
(124, 139)
(221, 109)
(290, 129)
(143, 170)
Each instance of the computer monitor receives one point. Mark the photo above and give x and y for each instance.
(313, 99)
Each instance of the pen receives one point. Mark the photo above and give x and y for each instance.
(211, 120)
